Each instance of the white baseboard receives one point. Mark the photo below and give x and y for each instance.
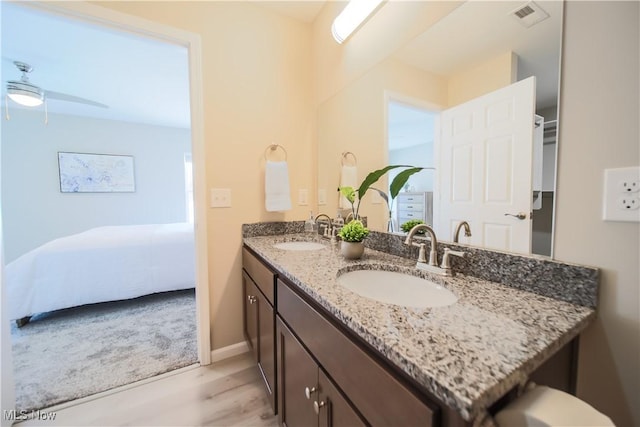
(229, 351)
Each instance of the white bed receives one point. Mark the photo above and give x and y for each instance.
(101, 264)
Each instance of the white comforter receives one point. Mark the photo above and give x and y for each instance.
(102, 264)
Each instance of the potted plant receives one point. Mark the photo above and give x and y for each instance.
(407, 226)
(352, 235)
(396, 185)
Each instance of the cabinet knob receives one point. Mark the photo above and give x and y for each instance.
(252, 299)
(309, 391)
(317, 405)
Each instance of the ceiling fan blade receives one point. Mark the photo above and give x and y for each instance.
(70, 98)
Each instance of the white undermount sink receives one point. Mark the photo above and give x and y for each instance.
(392, 287)
(299, 246)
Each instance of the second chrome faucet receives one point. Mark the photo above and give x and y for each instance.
(432, 264)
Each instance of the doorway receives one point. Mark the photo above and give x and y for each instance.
(98, 17)
(411, 136)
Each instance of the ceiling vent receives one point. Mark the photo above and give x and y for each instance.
(529, 14)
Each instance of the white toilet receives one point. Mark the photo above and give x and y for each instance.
(542, 406)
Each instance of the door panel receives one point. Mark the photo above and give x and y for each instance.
(336, 409)
(250, 293)
(297, 371)
(488, 144)
(266, 334)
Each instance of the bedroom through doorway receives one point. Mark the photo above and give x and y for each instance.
(101, 262)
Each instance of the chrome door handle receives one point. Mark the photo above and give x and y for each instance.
(309, 391)
(251, 299)
(519, 215)
(317, 405)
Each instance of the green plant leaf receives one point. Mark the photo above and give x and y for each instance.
(401, 179)
(353, 231)
(375, 176)
(349, 193)
(407, 226)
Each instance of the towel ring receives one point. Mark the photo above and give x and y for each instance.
(274, 147)
(345, 155)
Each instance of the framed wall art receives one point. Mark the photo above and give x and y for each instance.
(95, 173)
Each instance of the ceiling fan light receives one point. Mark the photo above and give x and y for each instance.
(353, 15)
(25, 94)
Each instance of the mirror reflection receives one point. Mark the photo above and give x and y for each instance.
(460, 101)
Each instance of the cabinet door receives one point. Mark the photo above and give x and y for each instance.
(297, 372)
(250, 313)
(266, 344)
(332, 407)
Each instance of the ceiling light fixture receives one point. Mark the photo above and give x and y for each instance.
(353, 15)
(25, 93)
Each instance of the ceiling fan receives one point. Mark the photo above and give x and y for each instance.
(27, 94)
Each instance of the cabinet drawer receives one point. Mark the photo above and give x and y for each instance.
(406, 216)
(364, 381)
(261, 275)
(410, 207)
(415, 199)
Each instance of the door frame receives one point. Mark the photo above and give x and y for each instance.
(97, 15)
(392, 96)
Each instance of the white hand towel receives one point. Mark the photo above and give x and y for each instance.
(348, 178)
(276, 187)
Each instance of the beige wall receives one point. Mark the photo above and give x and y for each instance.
(599, 117)
(483, 78)
(257, 90)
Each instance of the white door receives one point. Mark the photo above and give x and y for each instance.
(485, 152)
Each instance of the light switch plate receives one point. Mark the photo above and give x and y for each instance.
(303, 197)
(621, 196)
(322, 197)
(220, 197)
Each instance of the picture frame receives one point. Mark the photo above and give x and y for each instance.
(96, 173)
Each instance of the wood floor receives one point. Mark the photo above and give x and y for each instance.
(227, 393)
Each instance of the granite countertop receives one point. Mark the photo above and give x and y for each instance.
(468, 354)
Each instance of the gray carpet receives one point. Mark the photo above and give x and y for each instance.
(68, 354)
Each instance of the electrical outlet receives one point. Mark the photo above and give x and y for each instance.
(220, 197)
(303, 197)
(626, 186)
(628, 203)
(621, 201)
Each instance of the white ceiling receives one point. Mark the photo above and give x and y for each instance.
(480, 30)
(139, 78)
(145, 80)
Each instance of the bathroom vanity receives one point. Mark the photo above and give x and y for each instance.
(331, 357)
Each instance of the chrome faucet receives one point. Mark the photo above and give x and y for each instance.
(433, 254)
(328, 231)
(432, 266)
(467, 231)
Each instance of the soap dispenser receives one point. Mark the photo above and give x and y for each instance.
(310, 224)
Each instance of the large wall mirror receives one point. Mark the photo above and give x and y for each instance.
(399, 111)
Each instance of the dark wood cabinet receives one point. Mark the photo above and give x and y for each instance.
(379, 396)
(259, 320)
(250, 293)
(319, 373)
(308, 398)
(334, 408)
